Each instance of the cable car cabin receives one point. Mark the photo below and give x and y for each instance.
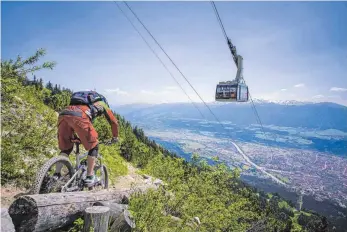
(231, 92)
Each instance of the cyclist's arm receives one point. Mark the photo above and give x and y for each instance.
(111, 119)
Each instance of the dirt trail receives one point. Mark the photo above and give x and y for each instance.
(132, 179)
(8, 193)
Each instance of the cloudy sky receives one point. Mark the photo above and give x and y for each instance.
(291, 50)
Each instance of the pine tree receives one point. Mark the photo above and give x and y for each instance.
(49, 86)
(41, 83)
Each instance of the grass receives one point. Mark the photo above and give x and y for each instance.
(115, 164)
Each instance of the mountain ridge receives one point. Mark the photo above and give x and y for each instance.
(319, 116)
(255, 100)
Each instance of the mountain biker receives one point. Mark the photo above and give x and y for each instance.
(78, 117)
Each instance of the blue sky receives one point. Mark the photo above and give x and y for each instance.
(291, 50)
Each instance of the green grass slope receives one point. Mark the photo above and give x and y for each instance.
(214, 194)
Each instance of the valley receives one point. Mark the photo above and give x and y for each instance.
(292, 161)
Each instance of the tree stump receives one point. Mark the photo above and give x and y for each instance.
(96, 219)
(116, 209)
(124, 222)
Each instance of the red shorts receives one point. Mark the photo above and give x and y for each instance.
(78, 123)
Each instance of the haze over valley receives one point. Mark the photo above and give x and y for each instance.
(303, 151)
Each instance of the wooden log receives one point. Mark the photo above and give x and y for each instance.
(6, 221)
(96, 219)
(116, 209)
(123, 223)
(48, 212)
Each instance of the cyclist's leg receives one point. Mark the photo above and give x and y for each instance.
(89, 139)
(64, 135)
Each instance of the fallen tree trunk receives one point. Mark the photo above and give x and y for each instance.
(47, 212)
(6, 221)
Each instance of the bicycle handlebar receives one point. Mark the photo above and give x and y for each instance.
(77, 141)
(106, 142)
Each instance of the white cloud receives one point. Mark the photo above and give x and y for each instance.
(283, 90)
(333, 96)
(318, 96)
(171, 87)
(147, 92)
(337, 89)
(299, 85)
(116, 91)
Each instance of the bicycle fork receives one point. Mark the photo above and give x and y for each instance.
(73, 188)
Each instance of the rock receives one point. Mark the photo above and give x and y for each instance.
(158, 182)
(148, 181)
(146, 176)
(174, 218)
(197, 220)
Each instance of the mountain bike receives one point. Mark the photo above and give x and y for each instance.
(72, 178)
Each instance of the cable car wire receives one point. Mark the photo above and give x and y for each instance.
(149, 46)
(172, 62)
(216, 118)
(202, 115)
(256, 114)
(255, 111)
(219, 20)
(226, 37)
(234, 144)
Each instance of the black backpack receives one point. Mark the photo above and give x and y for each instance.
(85, 98)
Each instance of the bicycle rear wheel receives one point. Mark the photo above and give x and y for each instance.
(44, 182)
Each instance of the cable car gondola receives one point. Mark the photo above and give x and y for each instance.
(235, 90)
(231, 92)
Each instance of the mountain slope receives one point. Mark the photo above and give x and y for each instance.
(215, 194)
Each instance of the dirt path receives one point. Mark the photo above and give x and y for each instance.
(132, 179)
(8, 193)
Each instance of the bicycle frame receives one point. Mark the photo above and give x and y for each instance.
(80, 169)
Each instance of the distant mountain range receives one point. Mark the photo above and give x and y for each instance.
(320, 116)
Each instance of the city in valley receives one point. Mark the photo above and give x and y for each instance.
(308, 172)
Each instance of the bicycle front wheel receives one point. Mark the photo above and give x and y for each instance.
(102, 174)
(44, 181)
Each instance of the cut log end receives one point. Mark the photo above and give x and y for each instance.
(97, 210)
(24, 213)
